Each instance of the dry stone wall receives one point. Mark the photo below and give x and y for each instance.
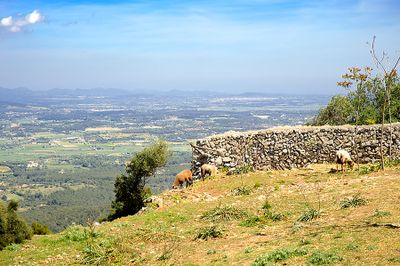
(293, 147)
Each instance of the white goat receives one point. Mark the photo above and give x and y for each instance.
(343, 158)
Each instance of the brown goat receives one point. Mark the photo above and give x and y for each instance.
(208, 169)
(182, 177)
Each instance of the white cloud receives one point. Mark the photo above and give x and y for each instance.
(15, 26)
(34, 17)
(6, 22)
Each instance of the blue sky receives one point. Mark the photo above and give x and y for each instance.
(225, 45)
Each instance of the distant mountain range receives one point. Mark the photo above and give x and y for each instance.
(24, 96)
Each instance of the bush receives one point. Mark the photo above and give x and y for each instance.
(353, 202)
(323, 258)
(338, 112)
(366, 169)
(13, 229)
(40, 229)
(224, 213)
(209, 232)
(129, 188)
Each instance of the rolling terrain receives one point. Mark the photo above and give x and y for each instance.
(295, 217)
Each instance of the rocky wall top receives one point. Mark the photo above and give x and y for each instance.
(291, 147)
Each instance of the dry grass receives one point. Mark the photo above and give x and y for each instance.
(167, 235)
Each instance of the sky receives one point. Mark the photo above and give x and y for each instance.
(272, 46)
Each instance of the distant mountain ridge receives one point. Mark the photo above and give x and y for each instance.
(26, 96)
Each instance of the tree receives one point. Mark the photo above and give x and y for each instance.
(357, 97)
(129, 188)
(337, 112)
(389, 79)
(13, 229)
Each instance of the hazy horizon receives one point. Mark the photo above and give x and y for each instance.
(268, 46)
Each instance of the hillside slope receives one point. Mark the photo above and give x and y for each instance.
(240, 230)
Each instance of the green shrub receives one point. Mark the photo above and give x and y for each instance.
(309, 215)
(224, 213)
(353, 202)
(129, 188)
(392, 163)
(13, 229)
(208, 232)
(366, 169)
(323, 258)
(40, 229)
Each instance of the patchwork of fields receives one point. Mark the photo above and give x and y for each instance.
(59, 156)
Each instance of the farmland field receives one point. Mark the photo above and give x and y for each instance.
(59, 155)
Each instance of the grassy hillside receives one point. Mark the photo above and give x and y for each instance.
(244, 219)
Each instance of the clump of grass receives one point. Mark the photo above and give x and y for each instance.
(208, 232)
(309, 215)
(257, 185)
(13, 247)
(323, 258)
(274, 216)
(304, 242)
(248, 250)
(97, 253)
(395, 259)
(379, 214)
(267, 205)
(251, 221)
(269, 214)
(211, 251)
(224, 213)
(352, 246)
(392, 163)
(353, 202)
(278, 255)
(75, 233)
(242, 190)
(366, 169)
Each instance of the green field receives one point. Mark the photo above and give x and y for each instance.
(59, 175)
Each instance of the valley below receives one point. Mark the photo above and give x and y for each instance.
(60, 151)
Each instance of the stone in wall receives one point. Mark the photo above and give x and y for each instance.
(294, 147)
